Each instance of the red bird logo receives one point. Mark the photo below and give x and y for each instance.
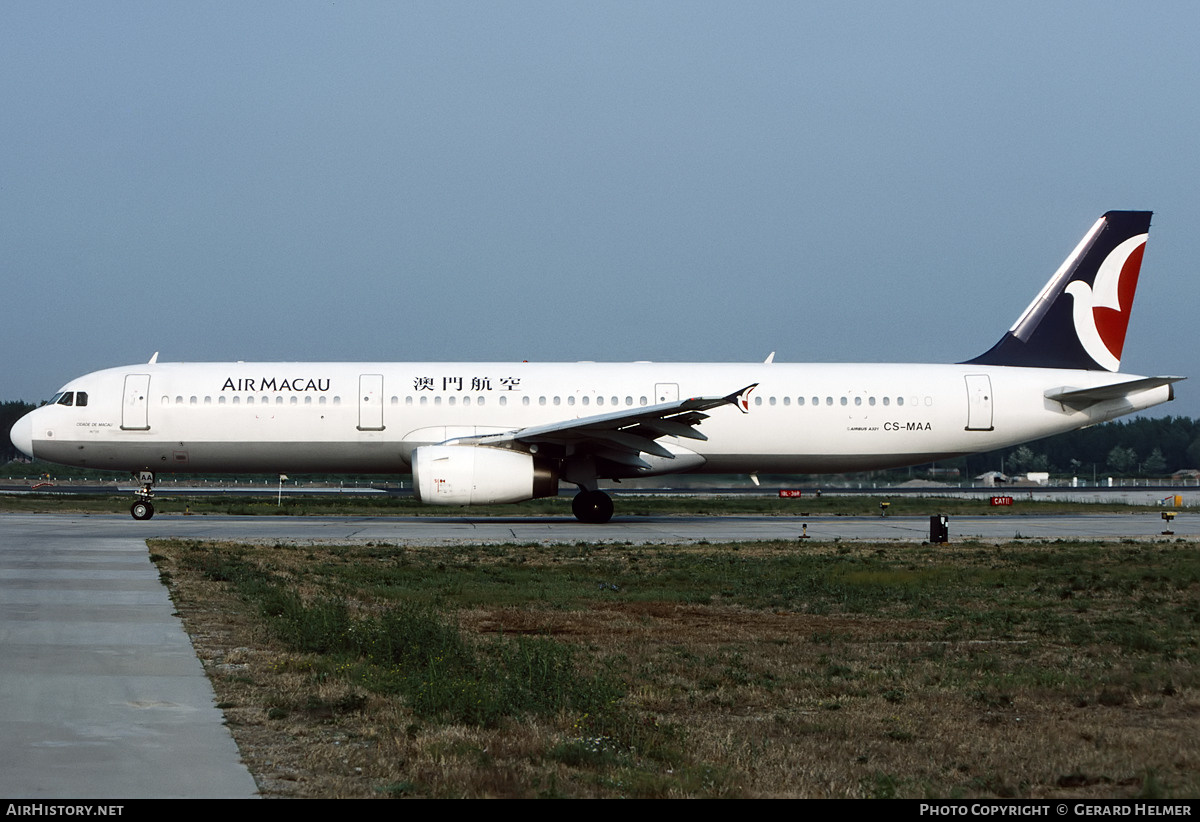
(1101, 311)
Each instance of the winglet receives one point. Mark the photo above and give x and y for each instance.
(742, 398)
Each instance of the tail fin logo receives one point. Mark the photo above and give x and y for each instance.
(1101, 310)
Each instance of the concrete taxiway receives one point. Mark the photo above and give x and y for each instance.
(101, 694)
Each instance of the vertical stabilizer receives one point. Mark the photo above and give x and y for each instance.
(1080, 318)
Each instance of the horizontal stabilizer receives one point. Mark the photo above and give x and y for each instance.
(1083, 397)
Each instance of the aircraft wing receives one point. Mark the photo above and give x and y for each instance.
(1083, 397)
(619, 436)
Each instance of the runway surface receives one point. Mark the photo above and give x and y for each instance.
(102, 696)
(450, 530)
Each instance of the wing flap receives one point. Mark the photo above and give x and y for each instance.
(633, 443)
(673, 428)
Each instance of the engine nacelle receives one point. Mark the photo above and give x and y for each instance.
(476, 475)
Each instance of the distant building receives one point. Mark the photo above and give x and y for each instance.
(992, 478)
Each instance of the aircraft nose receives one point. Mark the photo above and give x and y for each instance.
(22, 435)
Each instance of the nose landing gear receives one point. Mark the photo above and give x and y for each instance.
(143, 508)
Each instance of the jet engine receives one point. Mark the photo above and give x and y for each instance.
(477, 475)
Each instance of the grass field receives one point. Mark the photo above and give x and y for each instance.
(1028, 669)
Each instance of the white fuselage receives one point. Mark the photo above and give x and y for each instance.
(368, 417)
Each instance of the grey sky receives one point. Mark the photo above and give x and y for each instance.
(564, 181)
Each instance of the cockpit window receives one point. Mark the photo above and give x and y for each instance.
(80, 399)
(54, 400)
(67, 398)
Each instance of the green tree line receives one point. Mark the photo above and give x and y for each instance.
(1153, 447)
(10, 412)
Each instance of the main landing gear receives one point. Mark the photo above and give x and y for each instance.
(592, 507)
(143, 508)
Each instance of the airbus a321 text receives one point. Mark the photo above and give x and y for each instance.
(476, 433)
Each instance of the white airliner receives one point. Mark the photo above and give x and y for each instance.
(476, 433)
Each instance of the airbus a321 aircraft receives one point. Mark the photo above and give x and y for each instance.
(476, 433)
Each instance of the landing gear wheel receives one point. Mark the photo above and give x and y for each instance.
(143, 508)
(592, 506)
